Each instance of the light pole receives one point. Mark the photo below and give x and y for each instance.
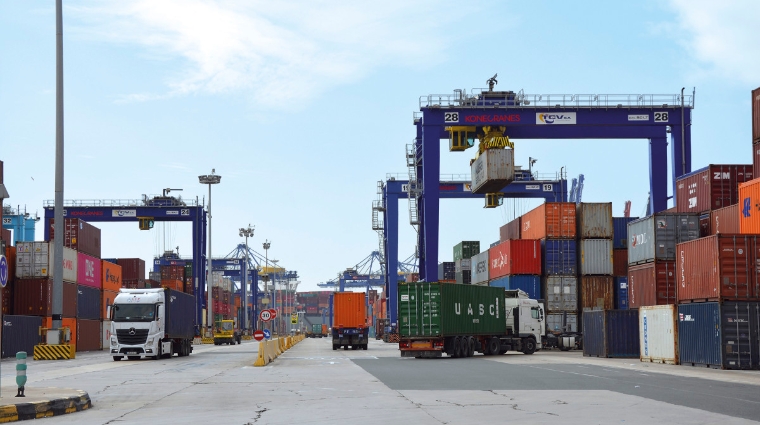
(277, 319)
(247, 232)
(266, 245)
(209, 180)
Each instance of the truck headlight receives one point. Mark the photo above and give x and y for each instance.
(114, 341)
(149, 341)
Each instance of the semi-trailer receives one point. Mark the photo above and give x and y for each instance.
(350, 327)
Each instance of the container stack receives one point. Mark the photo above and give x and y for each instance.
(463, 252)
(620, 260)
(595, 256)
(133, 272)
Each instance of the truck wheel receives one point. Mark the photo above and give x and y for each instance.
(529, 346)
(116, 358)
(470, 346)
(465, 346)
(364, 347)
(493, 347)
(335, 347)
(457, 347)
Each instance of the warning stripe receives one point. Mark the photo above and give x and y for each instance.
(54, 352)
(207, 340)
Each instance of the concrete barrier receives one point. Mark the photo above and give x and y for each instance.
(270, 350)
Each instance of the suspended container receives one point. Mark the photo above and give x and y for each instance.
(560, 293)
(595, 220)
(613, 333)
(551, 220)
(710, 188)
(492, 170)
(560, 256)
(527, 283)
(652, 284)
(655, 237)
(596, 257)
(658, 334)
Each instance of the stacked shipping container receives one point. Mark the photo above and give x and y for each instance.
(595, 232)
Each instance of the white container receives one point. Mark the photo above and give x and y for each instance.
(561, 293)
(494, 169)
(658, 334)
(36, 260)
(596, 257)
(465, 264)
(479, 264)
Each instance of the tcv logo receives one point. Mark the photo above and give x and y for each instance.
(555, 118)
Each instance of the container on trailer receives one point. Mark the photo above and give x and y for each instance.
(79, 235)
(522, 256)
(655, 237)
(560, 256)
(620, 262)
(37, 260)
(179, 309)
(611, 333)
(560, 293)
(710, 188)
(111, 276)
(106, 302)
(349, 309)
(66, 322)
(658, 334)
(597, 292)
(596, 257)
(620, 231)
(562, 322)
(718, 335)
(89, 301)
(20, 333)
(510, 230)
(595, 220)
(492, 170)
(436, 309)
(480, 268)
(621, 293)
(466, 249)
(725, 220)
(89, 271)
(89, 335)
(528, 283)
(652, 284)
(551, 220)
(720, 267)
(132, 269)
(33, 297)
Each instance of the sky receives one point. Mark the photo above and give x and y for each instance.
(303, 106)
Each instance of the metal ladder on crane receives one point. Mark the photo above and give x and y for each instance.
(377, 222)
(414, 185)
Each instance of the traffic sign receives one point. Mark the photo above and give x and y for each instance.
(294, 319)
(3, 271)
(273, 312)
(267, 334)
(265, 315)
(258, 335)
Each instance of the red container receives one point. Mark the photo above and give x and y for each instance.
(5, 235)
(756, 158)
(7, 306)
(718, 268)
(725, 220)
(652, 284)
(10, 257)
(714, 187)
(704, 225)
(597, 292)
(756, 115)
(133, 284)
(554, 220)
(79, 235)
(172, 273)
(510, 230)
(89, 335)
(34, 297)
(620, 262)
(132, 268)
(515, 256)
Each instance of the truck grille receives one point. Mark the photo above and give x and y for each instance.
(124, 336)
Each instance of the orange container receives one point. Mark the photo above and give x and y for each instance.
(349, 310)
(106, 303)
(555, 220)
(174, 284)
(111, 276)
(71, 323)
(749, 207)
(324, 329)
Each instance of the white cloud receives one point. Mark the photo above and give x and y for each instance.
(723, 35)
(279, 52)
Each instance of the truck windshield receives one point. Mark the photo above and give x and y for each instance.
(133, 312)
(226, 326)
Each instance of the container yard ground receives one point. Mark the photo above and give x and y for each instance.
(312, 384)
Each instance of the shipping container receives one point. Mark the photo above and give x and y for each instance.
(560, 293)
(724, 220)
(180, 314)
(621, 293)
(111, 276)
(10, 258)
(79, 235)
(446, 270)
(172, 272)
(512, 257)
(433, 309)
(89, 301)
(658, 334)
(718, 335)
(652, 284)
(463, 277)
(620, 262)
(749, 218)
(89, 271)
(597, 292)
(551, 220)
(510, 230)
(560, 257)
(106, 302)
(349, 310)
(20, 333)
(480, 265)
(613, 333)
(7, 303)
(620, 231)
(704, 225)
(528, 283)
(177, 285)
(89, 335)
(595, 220)
(132, 269)
(720, 267)
(33, 297)
(466, 249)
(36, 260)
(463, 264)
(756, 115)
(755, 159)
(596, 257)
(492, 170)
(66, 323)
(655, 237)
(710, 188)
(562, 322)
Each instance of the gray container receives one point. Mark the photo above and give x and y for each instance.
(596, 257)
(561, 322)
(561, 293)
(20, 333)
(480, 267)
(595, 220)
(655, 237)
(463, 265)
(494, 169)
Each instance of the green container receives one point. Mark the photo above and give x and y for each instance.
(316, 328)
(466, 249)
(432, 309)
(188, 270)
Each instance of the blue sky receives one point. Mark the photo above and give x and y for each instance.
(303, 106)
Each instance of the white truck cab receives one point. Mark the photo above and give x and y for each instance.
(525, 317)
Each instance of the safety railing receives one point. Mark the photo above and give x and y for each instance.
(460, 99)
(148, 202)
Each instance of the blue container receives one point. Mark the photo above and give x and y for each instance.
(719, 336)
(180, 314)
(621, 293)
(20, 333)
(620, 231)
(89, 302)
(611, 333)
(528, 283)
(560, 257)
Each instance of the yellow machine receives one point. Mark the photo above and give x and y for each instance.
(225, 333)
